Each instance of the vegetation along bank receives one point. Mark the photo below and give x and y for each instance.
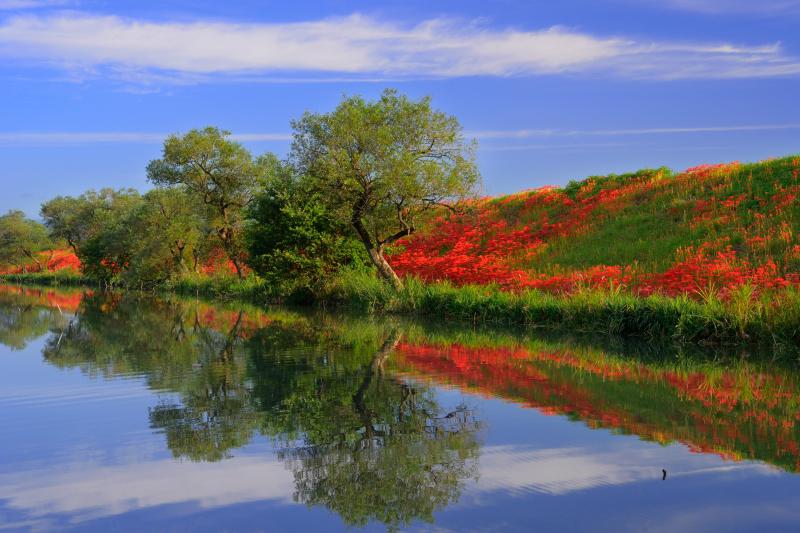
(377, 206)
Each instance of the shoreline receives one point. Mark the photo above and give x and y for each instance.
(773, 325)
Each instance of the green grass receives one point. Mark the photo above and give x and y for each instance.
(251, 288)
(59, 277)
(773, 323)
(647, 226)
(770, 321)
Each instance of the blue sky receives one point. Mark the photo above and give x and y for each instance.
(551, 90)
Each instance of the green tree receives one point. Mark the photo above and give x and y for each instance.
(108, 239)
(380, 165)
(96, 225)
(21, 239)
(217, 170)
(293, 239)
(69, 218)
(167, 231)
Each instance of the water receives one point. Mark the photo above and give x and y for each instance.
(127, 413)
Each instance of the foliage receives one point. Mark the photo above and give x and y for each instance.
(71, 218)
(167, 234)
(217, 171)
(65, 276)
(106, 249)
(21, 239)
(381, 165)
(294, 241)
(595, 254)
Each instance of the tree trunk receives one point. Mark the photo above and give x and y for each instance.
(226, 236)
(384, 268)
(32, 256)
(376, 369)
(178, 257)
(375, 252)
(236, 265)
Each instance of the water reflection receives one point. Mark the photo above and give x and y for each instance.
(23, 319)
(349, 408)
(737, 409)
(360, 442)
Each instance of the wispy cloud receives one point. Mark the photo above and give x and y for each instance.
(531, 133)
(31, 4)
(757, 7)
(359, 47)
(113, 137)
(120, 137)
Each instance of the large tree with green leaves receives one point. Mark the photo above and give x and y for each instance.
(382, 164)
(107, 245)
(97, 225)
(69, 218)
(217, 170)
(294, 240)
(21, 238)
(166, 232)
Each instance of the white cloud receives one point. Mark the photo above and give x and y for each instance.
(362, 47)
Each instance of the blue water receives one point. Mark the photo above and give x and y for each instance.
(107, 434)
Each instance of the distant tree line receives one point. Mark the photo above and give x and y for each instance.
(356, 181)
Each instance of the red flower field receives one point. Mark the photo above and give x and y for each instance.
(710, 228)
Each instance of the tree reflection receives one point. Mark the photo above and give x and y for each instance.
(24, 318)
(215, 413)
(372, 444)
(359, 440)
(372, 447)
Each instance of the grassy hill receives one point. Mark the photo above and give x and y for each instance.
(706, 231)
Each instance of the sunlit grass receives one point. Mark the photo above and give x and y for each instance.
(773, 320)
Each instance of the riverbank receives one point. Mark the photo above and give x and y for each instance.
(743, 319)
(54, 278)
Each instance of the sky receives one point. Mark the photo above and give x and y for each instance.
(552, 91)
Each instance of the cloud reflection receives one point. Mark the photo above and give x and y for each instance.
(559, 471)
(89, 491)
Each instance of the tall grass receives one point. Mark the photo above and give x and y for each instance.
(224, 286)
(771, 320)
(57, 277)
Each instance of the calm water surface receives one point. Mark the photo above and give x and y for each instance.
(126, 413)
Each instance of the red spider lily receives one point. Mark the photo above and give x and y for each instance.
(493, 243)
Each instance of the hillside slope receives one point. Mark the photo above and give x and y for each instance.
(704, 231)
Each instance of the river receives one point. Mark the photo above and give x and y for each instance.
(127, 413)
